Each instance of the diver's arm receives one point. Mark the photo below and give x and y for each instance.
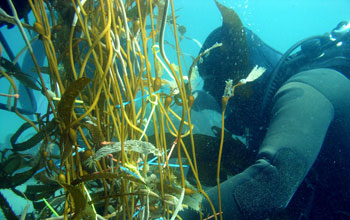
(300, 119)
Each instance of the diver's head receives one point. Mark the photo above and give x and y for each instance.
(230, 61)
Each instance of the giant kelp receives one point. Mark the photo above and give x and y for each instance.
(113, 118)
(106, 95)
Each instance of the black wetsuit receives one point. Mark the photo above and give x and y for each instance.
(301, 136)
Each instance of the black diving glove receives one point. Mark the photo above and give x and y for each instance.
(228, 203)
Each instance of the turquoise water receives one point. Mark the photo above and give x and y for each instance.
(280, 23)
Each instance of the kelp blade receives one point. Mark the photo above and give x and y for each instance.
(65, 106)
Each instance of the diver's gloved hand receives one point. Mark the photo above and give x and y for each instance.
(228, 203)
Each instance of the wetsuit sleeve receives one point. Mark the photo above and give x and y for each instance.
(300, 119)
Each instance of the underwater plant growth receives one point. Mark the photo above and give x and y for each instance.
(112, 89)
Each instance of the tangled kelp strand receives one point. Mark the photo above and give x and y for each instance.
(83, 208)
(95, 59)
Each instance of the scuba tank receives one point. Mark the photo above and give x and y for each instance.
(322, 51)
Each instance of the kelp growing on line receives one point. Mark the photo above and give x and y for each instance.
(106, 95)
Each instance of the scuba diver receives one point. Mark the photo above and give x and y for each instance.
(295, 118)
